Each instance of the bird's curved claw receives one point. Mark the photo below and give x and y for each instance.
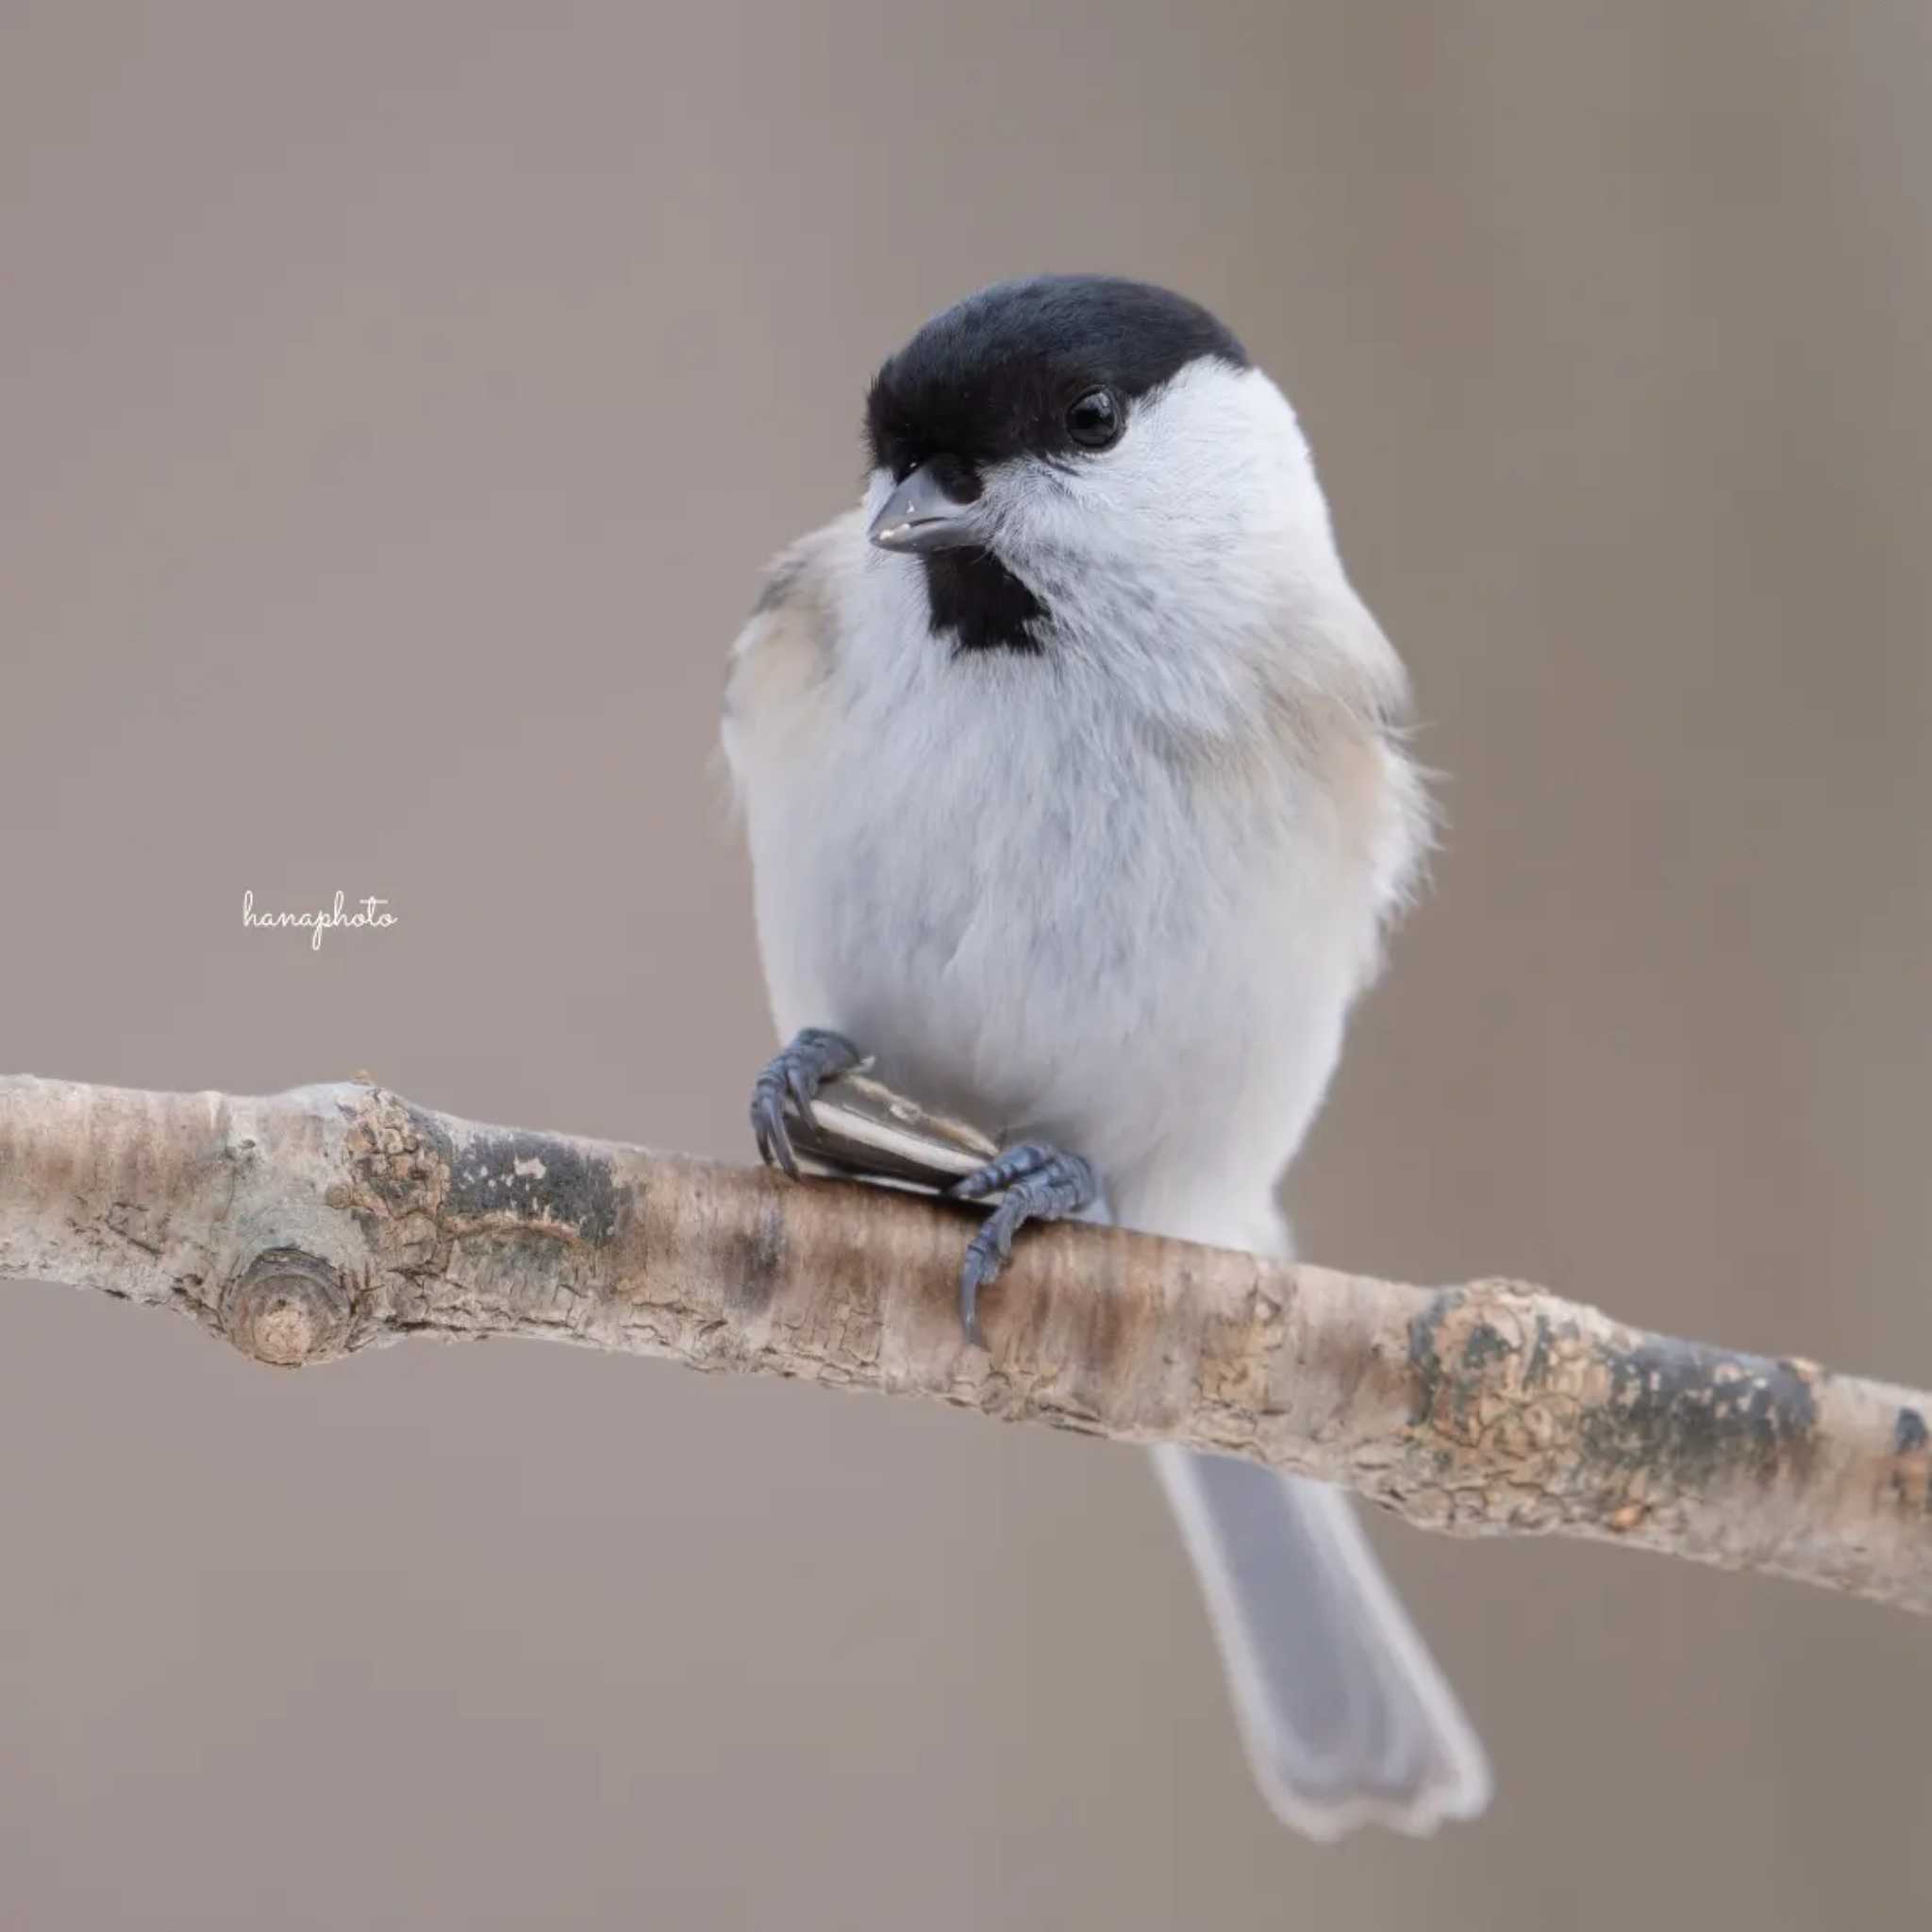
(1040, 1184)
(799, 1071)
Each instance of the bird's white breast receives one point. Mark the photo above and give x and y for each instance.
(985, 874)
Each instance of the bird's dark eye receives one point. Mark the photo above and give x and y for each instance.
(1094, 420)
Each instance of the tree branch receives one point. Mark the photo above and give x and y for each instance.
(305, 1226)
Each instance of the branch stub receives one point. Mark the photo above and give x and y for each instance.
(287, 1308)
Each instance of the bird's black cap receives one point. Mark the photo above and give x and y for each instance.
(992, 377)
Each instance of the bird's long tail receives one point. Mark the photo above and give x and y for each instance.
(1346, 1719)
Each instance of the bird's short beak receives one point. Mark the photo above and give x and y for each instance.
(920, 516)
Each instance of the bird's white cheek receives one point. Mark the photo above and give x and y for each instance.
(1044, 517)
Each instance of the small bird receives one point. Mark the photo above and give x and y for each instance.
(1073, 776)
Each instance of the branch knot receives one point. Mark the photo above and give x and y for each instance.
(288, 1309)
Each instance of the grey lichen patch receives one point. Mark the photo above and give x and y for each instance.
(537, 1181)
(1612, 1421)
(1688, 1415)
(417, 1188)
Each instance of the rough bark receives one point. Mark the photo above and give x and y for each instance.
(305, 1226)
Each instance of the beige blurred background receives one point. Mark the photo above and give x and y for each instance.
(397, 402)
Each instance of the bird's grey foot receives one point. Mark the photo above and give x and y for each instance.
(1041, 1184)
(799, 1069)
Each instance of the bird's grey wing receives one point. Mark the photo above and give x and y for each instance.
(1346, 1717)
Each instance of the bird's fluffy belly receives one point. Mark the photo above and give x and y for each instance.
(1022, 985)
(1081, 969)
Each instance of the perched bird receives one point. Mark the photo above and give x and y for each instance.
(1075, 783)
